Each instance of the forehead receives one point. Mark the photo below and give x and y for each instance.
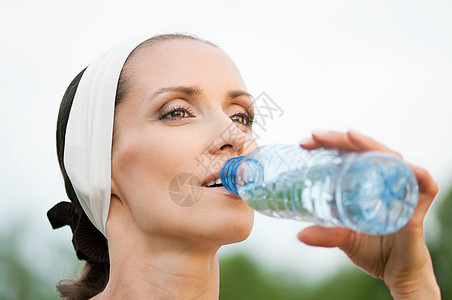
(182, 62)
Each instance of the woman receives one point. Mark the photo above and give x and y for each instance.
(174, 98)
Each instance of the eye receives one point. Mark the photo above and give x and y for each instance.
(177, 113)
(242, 118)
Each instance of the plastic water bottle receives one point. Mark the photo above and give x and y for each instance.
(370, 192)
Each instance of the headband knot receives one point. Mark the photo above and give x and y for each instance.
(89, 243)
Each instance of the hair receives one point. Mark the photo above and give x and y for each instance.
(93, 277)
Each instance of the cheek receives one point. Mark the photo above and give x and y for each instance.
(143, 166)
(148, 155)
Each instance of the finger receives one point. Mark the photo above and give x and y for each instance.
(309, 143)
(428, 189)
(324, 236)
(330, 139)
(365, 143)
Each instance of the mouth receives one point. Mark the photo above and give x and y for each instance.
(213, 183)
(212, 180)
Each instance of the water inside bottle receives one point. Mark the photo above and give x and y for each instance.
(365, 198)
(293, 196)
(377, 198)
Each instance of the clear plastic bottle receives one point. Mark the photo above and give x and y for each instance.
(370, 192)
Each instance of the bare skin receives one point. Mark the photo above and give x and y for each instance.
(159, 250)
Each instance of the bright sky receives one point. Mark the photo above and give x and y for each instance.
(380, 67)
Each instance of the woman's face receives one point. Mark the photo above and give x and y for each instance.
(185, 112)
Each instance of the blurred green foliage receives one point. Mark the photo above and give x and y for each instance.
(441, 250)
(241, 277)
(18, 280)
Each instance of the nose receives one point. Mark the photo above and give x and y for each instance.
(228, 138)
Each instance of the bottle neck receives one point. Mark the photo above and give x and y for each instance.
(229, 173)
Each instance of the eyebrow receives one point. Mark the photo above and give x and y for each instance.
(188, 90)
(195, 90)
(237, 93)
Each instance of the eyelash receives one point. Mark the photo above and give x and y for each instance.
(166, 115)
(247, 115)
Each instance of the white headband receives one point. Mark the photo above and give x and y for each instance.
(87, 151)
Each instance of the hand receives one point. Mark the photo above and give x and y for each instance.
(401, 259)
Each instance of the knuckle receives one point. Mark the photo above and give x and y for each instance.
(434, 188)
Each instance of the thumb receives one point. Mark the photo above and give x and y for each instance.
(324, 236)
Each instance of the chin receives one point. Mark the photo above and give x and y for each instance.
(238, 237)
(236, 228)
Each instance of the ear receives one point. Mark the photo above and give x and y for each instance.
(115, 195)
(114, 213)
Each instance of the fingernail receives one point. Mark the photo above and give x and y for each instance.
(319, 132)
(355, 132)
(305, 140)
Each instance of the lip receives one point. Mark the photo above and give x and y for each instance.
(221, 190)
(217, 189)
(211, 177)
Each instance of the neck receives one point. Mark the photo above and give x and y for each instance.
(165, 270)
